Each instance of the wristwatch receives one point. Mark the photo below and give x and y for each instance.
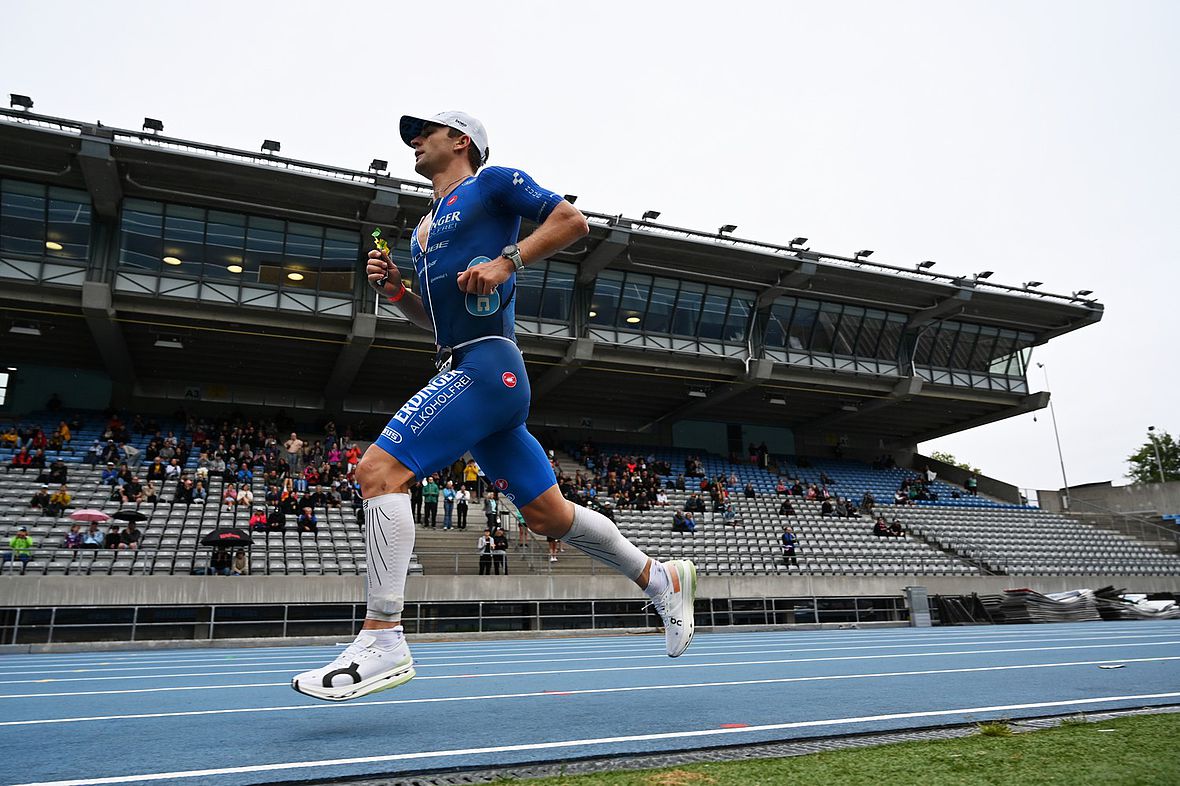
(513, 253)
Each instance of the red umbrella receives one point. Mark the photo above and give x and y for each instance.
(89, 514)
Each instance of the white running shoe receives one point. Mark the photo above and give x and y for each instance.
(675, 605)
(362, 668)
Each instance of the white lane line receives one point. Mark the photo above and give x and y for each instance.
(574, 691)
(537, 746)
(466, 648)
(645, 667)
(623, 655)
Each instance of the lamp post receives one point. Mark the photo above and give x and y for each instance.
(1056, 435)
(1155, 444)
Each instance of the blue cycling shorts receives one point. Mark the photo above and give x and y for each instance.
(480, 405)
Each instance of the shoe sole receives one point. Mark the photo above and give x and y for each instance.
(690, 617)
(392, 679)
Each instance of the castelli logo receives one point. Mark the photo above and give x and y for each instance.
(454, 198)
(509, 379)
(501, 484)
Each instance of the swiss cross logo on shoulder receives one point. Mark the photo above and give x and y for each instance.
(454, 198)
(517, 179)
(509, 379)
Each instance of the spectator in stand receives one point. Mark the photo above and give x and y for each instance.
(130, 537)
(22, 460)
(789, 541)
(110, 475)
(881, 527)
(93, 454)
(131, 454)
(500, 551)
(430, 502)
(522, 530)
(20, 548)
(471, 476)
(156, 471)
(59, 502)
(896, 530)
(58, 472)
(111, 541)
(151, 494)
(729, 516)
(416, 501)
(462, 502)
(132, 491)
(221, 563)
(553, 543)
(276, 520)
(901, 498)
(294, 450)
(491, 508)
(308, 521)
(229, 497)
(200, 494)
(184, 493)
(484, 546)
(92, 539)
(690, 523)
(749, 490)
(74, 537)
(258, 520)
(245, 497)
(9, 438)
(785, 509)
(973, 485)
(826, 509)
(173, 470)
(353, 456)
(661, 499)
(678, 521)
(448, 496)
(241, 566)
(867, 502)
(245, 474)
(40, 499)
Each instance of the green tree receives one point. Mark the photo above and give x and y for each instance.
(1145, 468)
(947, 458)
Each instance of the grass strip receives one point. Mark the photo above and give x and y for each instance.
(1131, 751)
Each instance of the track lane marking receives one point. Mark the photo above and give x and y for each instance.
(535, 694)
(766, 681)
(590, 742)
(654, 654)
(683, 665)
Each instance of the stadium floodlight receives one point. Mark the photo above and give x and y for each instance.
(698, 393)
(779, 400)
(652, 215)
(726, 229)
(926, 265)
(1083, 293)
(16, 101)
(864, 254)
(25, 329)
(270, 146)
(168, 342)
(984, 274)
(378, 165)
(153, 125)
(797, 241)
(571, 198)
(1032, 284)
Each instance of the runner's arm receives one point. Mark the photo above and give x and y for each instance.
(564, 224)
(410, 304)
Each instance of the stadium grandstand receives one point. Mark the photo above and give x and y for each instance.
(198, 303)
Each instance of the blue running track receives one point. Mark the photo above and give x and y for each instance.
(222, 717)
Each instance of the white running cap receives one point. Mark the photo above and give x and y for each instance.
(460, 121)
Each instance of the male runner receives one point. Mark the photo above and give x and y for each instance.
(466, 259)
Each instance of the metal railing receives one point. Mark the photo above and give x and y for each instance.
(1132, 524)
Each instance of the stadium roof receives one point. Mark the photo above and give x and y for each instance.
(573, 379)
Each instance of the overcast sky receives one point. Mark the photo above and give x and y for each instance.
(1039, 140)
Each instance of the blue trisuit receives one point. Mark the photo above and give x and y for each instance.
(482, 401)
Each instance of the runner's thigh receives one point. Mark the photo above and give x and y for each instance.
(515, 464)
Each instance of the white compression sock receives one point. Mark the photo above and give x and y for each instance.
(594, 534)
(657, 580)
(389, 542)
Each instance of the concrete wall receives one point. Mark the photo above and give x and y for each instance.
(952, 474)
(1157, 498)
(25, 591)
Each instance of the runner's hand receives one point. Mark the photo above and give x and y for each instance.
(484, 278)
(379, 266)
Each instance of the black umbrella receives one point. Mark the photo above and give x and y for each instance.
(227, 537)
(129, 515)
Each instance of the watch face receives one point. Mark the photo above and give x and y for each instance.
(509, 250)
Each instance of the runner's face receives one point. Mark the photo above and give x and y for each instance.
(431, 148)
